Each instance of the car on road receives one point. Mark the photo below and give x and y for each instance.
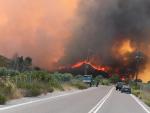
(126, 89)
(119, 85)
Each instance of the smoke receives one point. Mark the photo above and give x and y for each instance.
(110, 33)
(36, 28)
(103, 28)
(50, 30)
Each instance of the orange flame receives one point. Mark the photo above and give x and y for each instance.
(126, 47)
(145, 75)
(96, 67)
(122, 49)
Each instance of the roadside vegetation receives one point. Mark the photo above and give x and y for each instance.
(78, 84)
(19, 78)
(15, 84)
(142, 91)
(108, 81)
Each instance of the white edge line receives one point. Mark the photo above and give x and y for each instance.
(41, 100)
(101, 102)
(140, 103)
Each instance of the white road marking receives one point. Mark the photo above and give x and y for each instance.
(41, 100)
(138, 101)
(101, 102)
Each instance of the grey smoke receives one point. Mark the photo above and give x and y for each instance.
(103, 23)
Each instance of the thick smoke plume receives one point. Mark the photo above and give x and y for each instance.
(105, 25)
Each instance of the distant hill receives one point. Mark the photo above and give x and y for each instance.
(4, 62)
(80, 71)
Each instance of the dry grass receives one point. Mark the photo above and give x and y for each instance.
(68, 87)
(146, 97)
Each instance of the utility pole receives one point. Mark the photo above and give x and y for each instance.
(85, 69)
(86, 66)
(138, 58)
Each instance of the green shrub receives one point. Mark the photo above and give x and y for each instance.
(66, 77)
(79, 77)
(105, 82)
(55, 80)
(34, 91)
(54, 83)
(136, 92)
(38, 75)
(135, 86)
(47, 88)
(3, 71)
(62, 77)
(50, 89)
(7, 72)
(3, 99)
(79, 84)
(147, 102)
(146, 97)
(97, 79)
(32, 87)
(9, 89)
(115, 79)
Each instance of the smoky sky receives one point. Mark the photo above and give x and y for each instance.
(103, 23)
(36, 28)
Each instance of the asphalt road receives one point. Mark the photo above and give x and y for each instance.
(94, 100)
(121, 103)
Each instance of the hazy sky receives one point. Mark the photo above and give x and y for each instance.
(36, 28)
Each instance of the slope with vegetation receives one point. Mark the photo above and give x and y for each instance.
(18, 78)
(4, 62)
(14, 84)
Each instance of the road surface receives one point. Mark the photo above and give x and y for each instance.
(94, 100)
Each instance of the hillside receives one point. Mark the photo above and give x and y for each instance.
(4, 62)
(81, 70)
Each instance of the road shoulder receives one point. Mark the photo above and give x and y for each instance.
(28, 100)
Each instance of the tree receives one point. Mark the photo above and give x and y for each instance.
(21, 64)
(115, 79)
(14, 64)
(37, 68)
(27, 63)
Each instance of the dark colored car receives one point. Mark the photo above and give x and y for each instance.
(119, 85)
(126, 89)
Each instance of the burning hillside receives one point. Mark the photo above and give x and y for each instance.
(96, 67)
(85, 67)
(115, 33)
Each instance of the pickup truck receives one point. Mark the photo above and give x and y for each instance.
(88, 79)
